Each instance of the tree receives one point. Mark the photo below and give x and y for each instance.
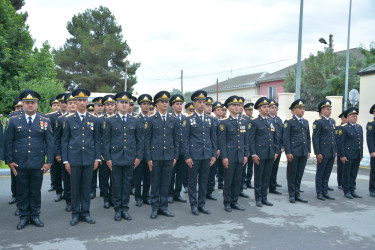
(369, 54)
(94, 57)
(17, 4)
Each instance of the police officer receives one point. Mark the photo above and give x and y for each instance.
(233, 153)
(81, 155)
(131, 106)
(264, 149)
(54, 103)
(123, 151)
(152, 109)
(90, 108)
(339, 163)
(142, 172)
(351, 152)
(370, 135)
(279, 131)
(98, 106)
(28, 140)
(161, 153)
(189, 107)
(249, 167)
(325, 149)
(180, 169)
(297, 145)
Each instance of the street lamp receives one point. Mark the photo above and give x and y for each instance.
(322, 40)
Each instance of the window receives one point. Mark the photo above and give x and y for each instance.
(271, 92)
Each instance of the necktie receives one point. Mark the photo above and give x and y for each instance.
(123, 118)
(145, 117)
(301, 121)
(82, 117)
(201, 116)
(268, 122)
(30, 121)
(163, 116)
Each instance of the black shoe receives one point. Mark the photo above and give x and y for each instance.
(267, 203)
(259, 203)
(126, 215)
(372, 194)
(12, 200)
(180, 199)
(204, 210)
(244, 186)
(138, 203)
(220, 186)
(106, 205)
(23, 222)
(327, 196)
(355, 195)
(74, 220)
(300, 199)
(301, 191)
(117, 216)
(170, 199)
(154, 214)
(348, 195)
(132, 191)
(275, 192)
(320, 197)
(147, 202)
(340, 187)
(292, 200)
(250, 186)
(88, 219)
(101, 194)
(186, 190)
(166, 213)
(58, 197)
(68, 208)
(278, 185)
(194, 210)
(17, 212)
(237, 206)
(92, 195)
(330, 189)
(52, 188)
(242, 194)
(36, 221)
(211, 197)
(111, 204)
(227, 208)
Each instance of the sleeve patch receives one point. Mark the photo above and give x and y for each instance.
(146, 125)
(340, 132)
(222, 126)
(314, 126)
(249, 126)
(285, 125)
(369, 127)
(184, 123)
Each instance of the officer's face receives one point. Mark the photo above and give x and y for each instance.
(145, 107)
(241, 108)
(30, 107)
(223, 113)
(110, 108)
(234, 109)
(273, 110)
(249, 113)
(343, 119)
(99, 108)
(81, 105)
(18, 108)
(123, 107)
(264, 110)
(199, 105)
(217, 112)
(55, 107)
(190, 111)
(208, 109)
(327, 111)
(72, 106)
(62, 106)
(131, 107)
(151, 112)
(177, 107)
(299, 111)
(162, 106)
(352, 118)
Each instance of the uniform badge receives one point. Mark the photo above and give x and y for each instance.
(336, 132)
(42, 125)
(184, 123)
(88, 123)
(369, 127)
(63, 124)
(146, 125)
(222, 126)
(104, 124)
(249, 126)
(45, 125)
(340, 132)
(92, 126)
(314, 126)
(285, 125)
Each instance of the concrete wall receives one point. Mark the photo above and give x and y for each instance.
(278, 84)
(247, 93)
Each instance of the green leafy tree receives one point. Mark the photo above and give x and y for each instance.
(94, 57)
(369, 54)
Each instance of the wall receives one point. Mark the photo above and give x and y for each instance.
(246, 93)
(278, 84)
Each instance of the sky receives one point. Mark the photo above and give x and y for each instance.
(211, 39)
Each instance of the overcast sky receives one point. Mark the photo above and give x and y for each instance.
(211, 39)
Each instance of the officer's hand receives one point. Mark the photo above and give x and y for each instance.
(58, 158)
(289, 157)
(12, 167)
(319, 158)
(67, 167)
(109, 164)
(149, 163)
(244, 161)
(343, 160)
(372, 155)
(136, 162)
(225, 163)
(189, 162)
(174, 162)
(308, 156)
(256, 159)
(45, 168)
(276, 155)
(212, 162)
(96, 165)
(218, 154)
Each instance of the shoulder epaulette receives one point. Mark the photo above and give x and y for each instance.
(344, 124)
(372, 120)
(225, 118)
(70, 115)
(255, 118)
(291, 118)
(51, 112)
(189, 115)
(15, 116)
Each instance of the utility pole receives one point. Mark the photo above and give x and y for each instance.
(298, 79)
(217, 89)
(126, 76)
(182, 81)
(347, 61)
(330, 42)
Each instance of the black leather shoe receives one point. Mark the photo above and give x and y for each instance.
(36, 221)
(250, 186)
(211, 197)
(170, 199)
(17, 212)
(355, 195)
(23, 222)
(52, 188)
(300, 199)
(147, 202)
(275, 192)
(92, 195)
(330, 189)
(58, 197)
(292, 200)
(259, 204)
(237, 206)
(12, 200)
(204, 210)
(138, 203)
(243, 195)
(267, 203)
(166, 213)
(301, 191)
(74, 220)
(88, 219)
(117, 216)
(220, 186)
(194, 210)
(372, 194)
(180, 199)
(106, 205)
(348, 195)
(244, 186)
(320, 197)
(340, 187)
(126, 215)
(186, 190)
(154, 214)
(68, 208)
(278, 185)
(227, 208)
(327, 196)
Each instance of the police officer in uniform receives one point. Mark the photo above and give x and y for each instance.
(351, 152)
(189, 107)
(370, 135)
(324, 143)
(90, 108)
(123, 151)
(297, 145)
(152, 109)
(180, 169)
(339, 163)
(131, 106)
(142, 172)
(233, 153)
(98, 106)
(249, 167)
(28, 140)
(54, 103)
(81, 155)
(264, 149)
(161, 153)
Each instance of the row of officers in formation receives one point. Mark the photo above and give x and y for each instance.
(177, 152)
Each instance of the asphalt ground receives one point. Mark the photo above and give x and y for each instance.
(338, 224)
